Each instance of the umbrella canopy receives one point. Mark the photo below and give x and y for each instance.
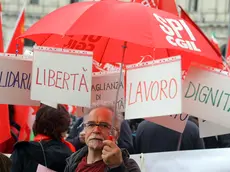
(103, 27)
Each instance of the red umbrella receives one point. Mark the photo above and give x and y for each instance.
(144, 31)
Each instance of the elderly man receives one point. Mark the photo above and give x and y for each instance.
(101, 154)
(125, 140)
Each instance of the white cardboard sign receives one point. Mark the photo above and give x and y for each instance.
(62, 76)
(206, 95)
(154, 89)
(206, 160)
(208, 129)
(42, 168)
(15, 80)
(173, 122)
(104, 89)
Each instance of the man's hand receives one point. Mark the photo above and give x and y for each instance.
(111, 154)
(82, 136)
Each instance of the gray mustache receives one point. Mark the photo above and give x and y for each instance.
(96, 138)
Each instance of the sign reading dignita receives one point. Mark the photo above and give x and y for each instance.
(206, 95)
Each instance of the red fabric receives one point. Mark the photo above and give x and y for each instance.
(168, 5)
(7, 146)
(16, 46)
(4, 123)
(103, 67)
(21, 118)
(21, 114)
(137, 26)
(215, 45)
(24, 134)
(40, 137)
(186, 17)
(1, 32)
(35, 108)
(98, 166)
(148, 3)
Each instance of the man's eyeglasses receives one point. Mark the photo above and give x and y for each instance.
(101, 125)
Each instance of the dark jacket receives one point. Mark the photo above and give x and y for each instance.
(124, 141)
(129, 165)
(151, 137)
(27, 156)
(73, 136)
(221, 141)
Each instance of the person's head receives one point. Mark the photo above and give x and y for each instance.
(5, 163)
(51, 122)
(98, 125)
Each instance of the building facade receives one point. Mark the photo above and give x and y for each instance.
(210, 15)
(35, 9)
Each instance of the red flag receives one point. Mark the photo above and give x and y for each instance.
(168, 5)
(1, 32)
(186, 17)
(4, 123)
(21, 116)
(35, 109)
(16, 46)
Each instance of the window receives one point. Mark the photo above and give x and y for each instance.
(193, 5)
(72, 1)
(35, 2)
(28, 43)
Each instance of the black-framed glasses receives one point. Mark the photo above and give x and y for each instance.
(101, 125)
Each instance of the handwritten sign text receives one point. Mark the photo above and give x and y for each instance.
(206, 95)
(155, 89)
(62, 80)
(15, 81)
(62, 76)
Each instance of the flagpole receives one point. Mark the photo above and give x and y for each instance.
(227, 45)
(15, 27)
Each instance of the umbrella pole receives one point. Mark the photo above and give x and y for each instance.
(119, 84)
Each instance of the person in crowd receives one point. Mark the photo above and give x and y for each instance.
(5, 163)
(101, 153)
(77, 136)
(49, 149)
(151, 137)
(221, 141)
(7, 146)
(134, 125)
